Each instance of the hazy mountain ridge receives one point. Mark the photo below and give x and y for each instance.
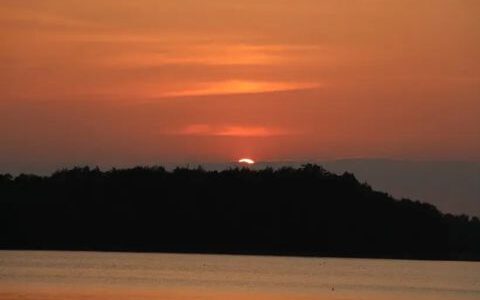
(452, 186)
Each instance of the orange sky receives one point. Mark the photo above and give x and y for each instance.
(117, 82)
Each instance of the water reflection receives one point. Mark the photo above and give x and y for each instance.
(88, 275)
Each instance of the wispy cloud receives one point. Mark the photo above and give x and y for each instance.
(241, 87)
(231, 131)
(195, 52)
(37, 19)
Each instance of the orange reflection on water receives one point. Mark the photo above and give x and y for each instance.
(124, 293)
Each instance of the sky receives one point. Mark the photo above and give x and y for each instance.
(121, 83)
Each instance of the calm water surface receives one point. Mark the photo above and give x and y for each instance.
(90, 275)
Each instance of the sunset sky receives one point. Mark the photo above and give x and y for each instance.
(117, 82)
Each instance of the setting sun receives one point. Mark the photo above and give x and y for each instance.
(247, 161)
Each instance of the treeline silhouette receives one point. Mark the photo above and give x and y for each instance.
(304, 211)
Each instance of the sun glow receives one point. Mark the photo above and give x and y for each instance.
(247, 161)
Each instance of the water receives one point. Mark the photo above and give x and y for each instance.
(29, 275)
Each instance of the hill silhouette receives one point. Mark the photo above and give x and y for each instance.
(289, 211)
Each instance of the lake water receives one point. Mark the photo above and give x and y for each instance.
(31, 275)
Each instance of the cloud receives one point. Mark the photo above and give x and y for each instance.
(200, 53)
(241, 87)
(231, 131)
(41, 20)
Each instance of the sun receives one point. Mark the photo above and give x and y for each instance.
(247, 161)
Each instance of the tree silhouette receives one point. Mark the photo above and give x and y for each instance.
(288, 211)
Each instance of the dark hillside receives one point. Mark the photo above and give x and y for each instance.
(305, 211)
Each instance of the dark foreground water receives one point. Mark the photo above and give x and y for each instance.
(30, 275)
